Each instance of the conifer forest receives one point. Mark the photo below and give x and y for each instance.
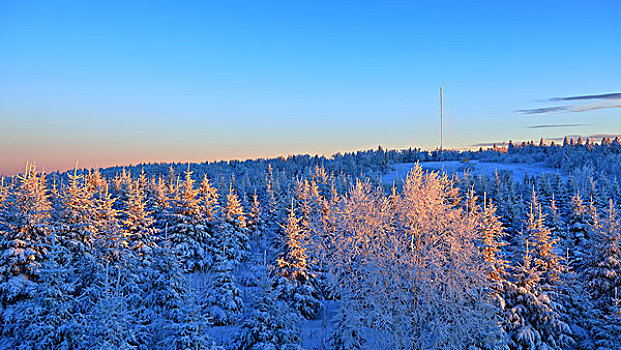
(310, 252)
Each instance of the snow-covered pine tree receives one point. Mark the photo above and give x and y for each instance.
(209, 199)
(78, 219)
(313, 207)
(255, 221)
(110, 319)
(510, 205)
(271, 324)
(172, 181)
(159, 204)
(187, 230)
(322, 242)
(165, 291)
(546, 259)
(544, 188)
(532, 319)
(607, 331)
(579, 221)
(49, 320)
(95, 182)
(138, 223)
(143, 182)
(308, 201)
(273, 202)
(492, 235)
(233, 211)
(295, 281)
(223, 302)
(232, 236)
(555, 220)
(111, 241)
(603, 278)
(3, 195)
(578, 310)
(188, 331)
(120, 187)
(23, 246)
(604, 265)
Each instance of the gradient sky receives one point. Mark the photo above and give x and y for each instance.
(118, 82)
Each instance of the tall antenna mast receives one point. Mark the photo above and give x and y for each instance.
(441, 121)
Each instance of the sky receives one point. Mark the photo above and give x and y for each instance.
(122, 82)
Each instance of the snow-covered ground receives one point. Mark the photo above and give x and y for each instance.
(474, 167)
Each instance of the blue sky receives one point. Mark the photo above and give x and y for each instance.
(123, 82)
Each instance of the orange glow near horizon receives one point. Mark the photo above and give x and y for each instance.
(53, 160)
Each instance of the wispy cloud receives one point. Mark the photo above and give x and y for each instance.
(543, 110)
(601, 101)
(542, 126)
(593, 107)
(611, 96)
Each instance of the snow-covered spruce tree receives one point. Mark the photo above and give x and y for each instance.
(546, 259)
(532, 319)
(510, 204)
(603, 278)
(271, 324)
(188, 234)
(95, 182)
(295, 282)
(23, 246)
(273, 203)
(138, 223)
(78, 219)
(111, 242)
(493, 235)
(172, 182)
(108, 280)
(165, 291)
(227, 244)
(120, 187)
(322, 242)
(579, 221)
(143, 182)
(607, 331)
(256, 223)
(556, 221)
(159, 204)
(256, 231)
(209, 199)
(4, 190)
(308, 200)
(232, 236)
(257, 244)
(579, 312)
(188, 331)
(223, 302)
(49, 320)
(312, 208)
(111, 322)
(233, 211)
